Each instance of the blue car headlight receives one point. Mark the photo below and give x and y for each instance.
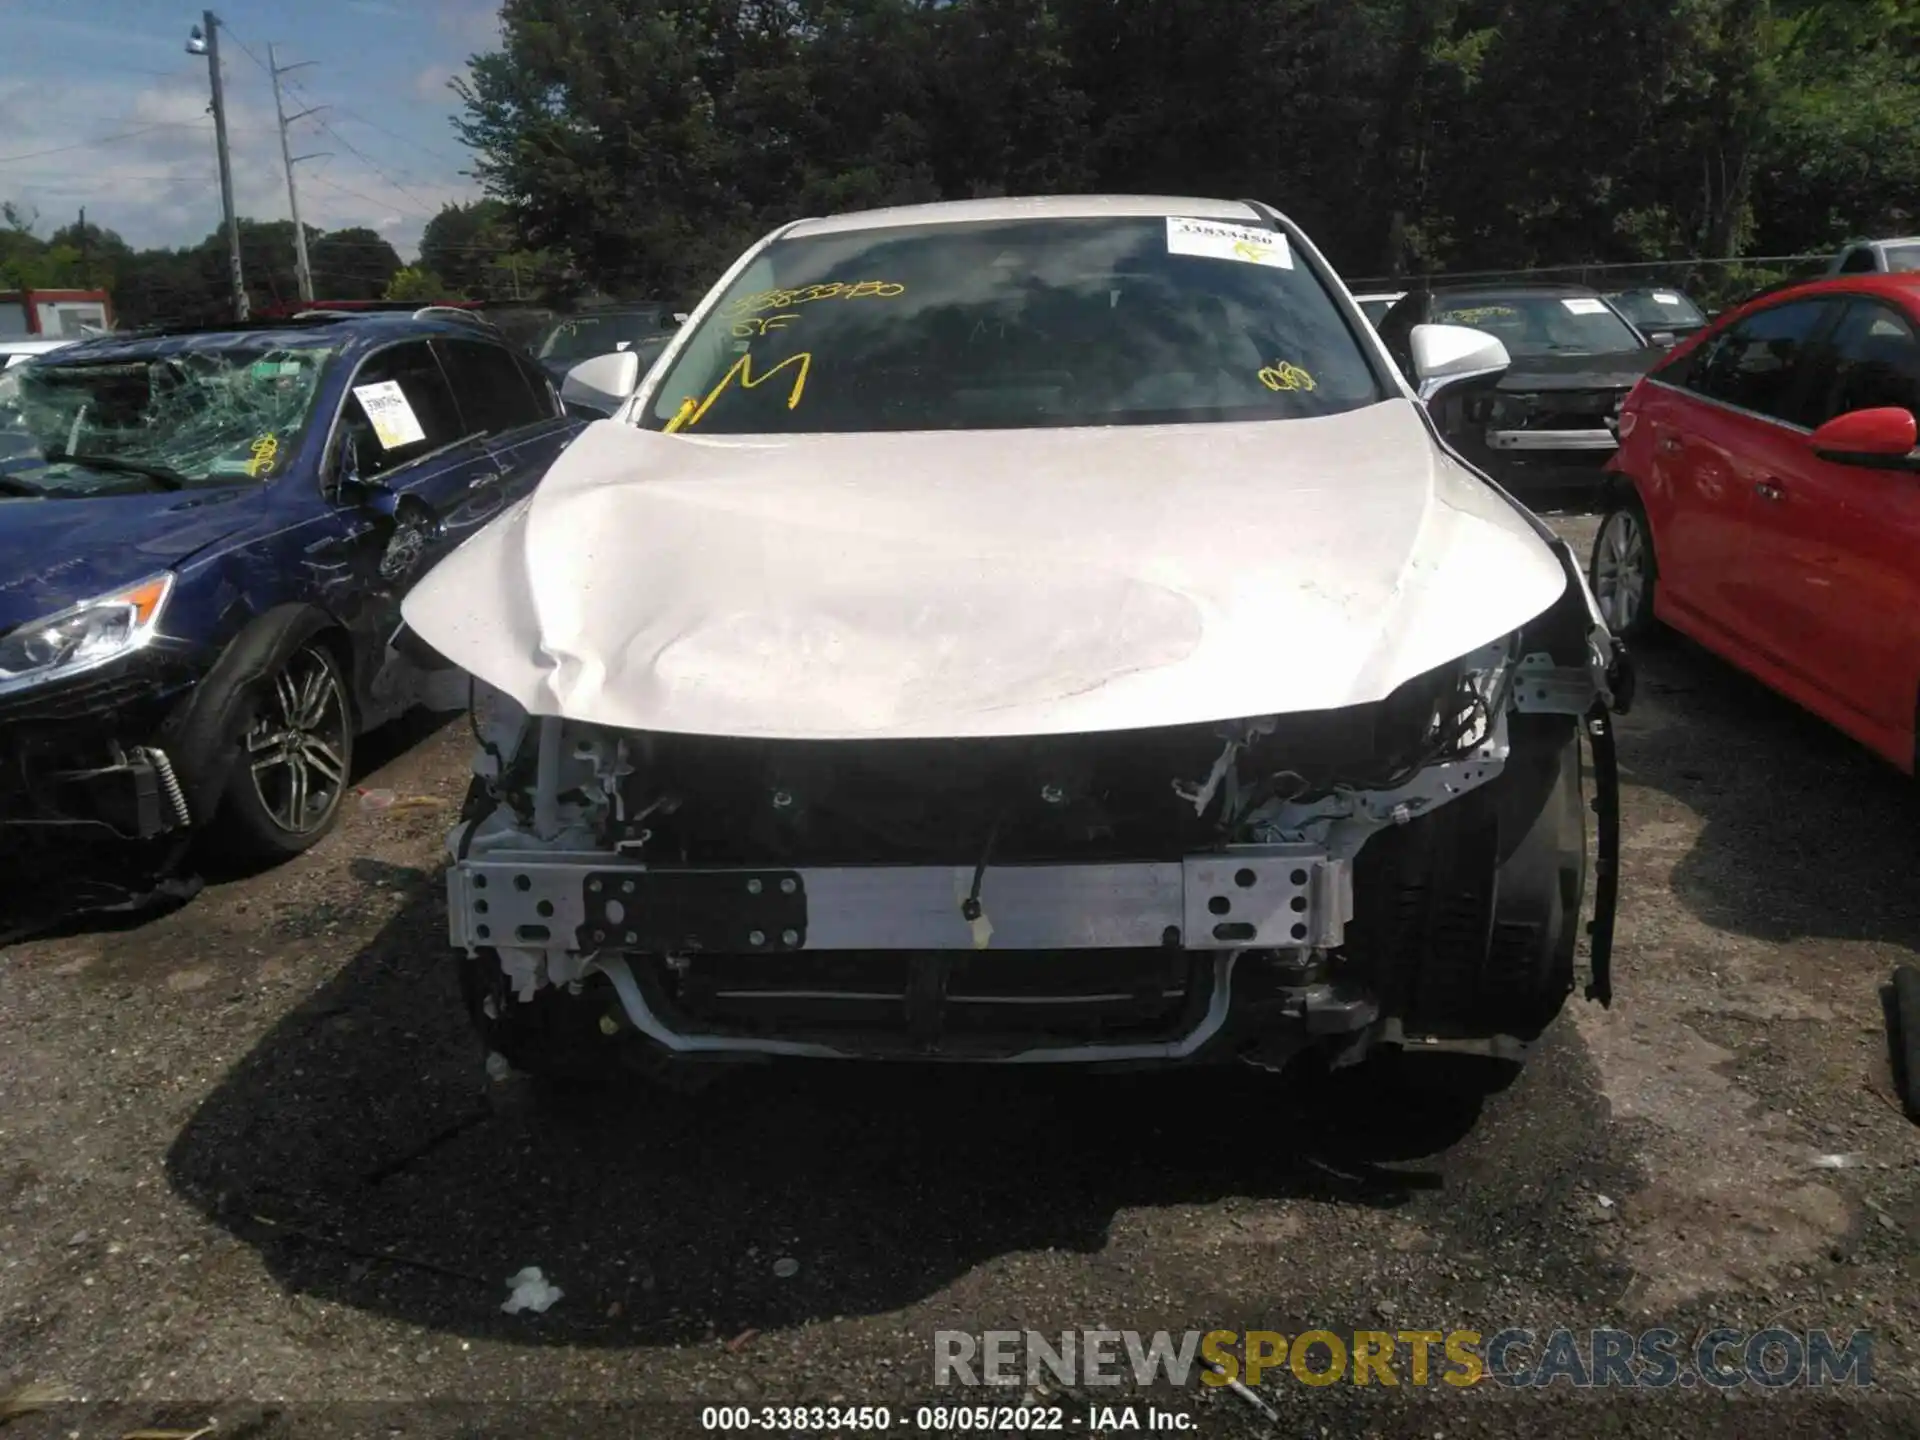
(84, 636)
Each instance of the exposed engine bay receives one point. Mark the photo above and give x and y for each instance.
(1404, 873)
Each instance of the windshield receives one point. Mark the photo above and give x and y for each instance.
(1656, 310)
(207, 415)
(1006, 324)
(1541, 324)
(581, 337)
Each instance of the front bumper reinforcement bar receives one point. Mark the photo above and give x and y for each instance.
(1291, 896)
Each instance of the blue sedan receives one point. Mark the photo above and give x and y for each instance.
(204, 541)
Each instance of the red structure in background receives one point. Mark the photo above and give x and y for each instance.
(25, 305)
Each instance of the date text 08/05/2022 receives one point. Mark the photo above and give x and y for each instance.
(942, 1419)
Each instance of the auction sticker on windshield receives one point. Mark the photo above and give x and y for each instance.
(1218, 240)
(394, 422)
(1585, 305)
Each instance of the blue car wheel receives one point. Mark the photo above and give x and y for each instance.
(295, 758)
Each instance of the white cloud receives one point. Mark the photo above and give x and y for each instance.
(431, 83)
(160, 184)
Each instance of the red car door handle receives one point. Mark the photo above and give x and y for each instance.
(1770, 490)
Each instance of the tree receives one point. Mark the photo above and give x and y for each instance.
(634, 146)
(26, 261)
(417, 285)
(352, 264)
(462, 240)
(601, 124)
(99, 253)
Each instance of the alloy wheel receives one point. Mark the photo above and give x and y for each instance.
(298, 743)
(1620, 570)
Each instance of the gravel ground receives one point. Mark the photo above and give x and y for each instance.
(252, 1172)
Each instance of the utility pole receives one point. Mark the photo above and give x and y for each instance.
(86, 256)
(205, 40)
(301, 268)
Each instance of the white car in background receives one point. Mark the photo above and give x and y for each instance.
(1881, 257)
(1025, 631)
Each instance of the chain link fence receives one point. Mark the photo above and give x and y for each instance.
(1713, 284)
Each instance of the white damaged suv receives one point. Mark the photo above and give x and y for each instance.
(1027, 630)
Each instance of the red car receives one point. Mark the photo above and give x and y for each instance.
(1766, 501)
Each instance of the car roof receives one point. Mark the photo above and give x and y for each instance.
(345, 328)
(1493, 289)
(1029, 207)
(1895, 285)
(614, 312)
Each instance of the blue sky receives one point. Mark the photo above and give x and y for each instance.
(109, 86)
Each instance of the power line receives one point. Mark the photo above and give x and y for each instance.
(104, 140)
(246, 49)
(344, 190)
(367, 160)
(427, 150)
(302, 93)
(76, 186)
(353, 149)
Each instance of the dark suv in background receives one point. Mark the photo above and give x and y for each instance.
(1549, 424)
(644, 329)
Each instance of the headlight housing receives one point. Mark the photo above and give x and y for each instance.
(85, 636)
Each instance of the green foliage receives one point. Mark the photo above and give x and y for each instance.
(632, 147)
(478, 250)
(191, 285)
(650, 139)
(30, 263)
(352, 264)
(418, 285)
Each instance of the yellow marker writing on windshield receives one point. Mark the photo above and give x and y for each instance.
(743, 371)
(1247, 250)
(265, 451)
(832, 290)
(1285, 375)
(687, 407)
(755, 325)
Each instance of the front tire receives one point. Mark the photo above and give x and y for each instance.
(1467, 919)
(1622, 571)
(294, 759)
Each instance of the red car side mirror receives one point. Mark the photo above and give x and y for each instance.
(1882, 438)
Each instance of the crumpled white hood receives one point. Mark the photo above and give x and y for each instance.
(971, 583)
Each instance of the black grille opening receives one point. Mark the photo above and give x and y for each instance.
(934, 1001)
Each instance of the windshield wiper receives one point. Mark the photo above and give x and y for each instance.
(160, 475)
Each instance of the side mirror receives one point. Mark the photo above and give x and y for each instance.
(1665, 339)
(356, 488)
(603, 383)
(1450, 357)
(1880, 439)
